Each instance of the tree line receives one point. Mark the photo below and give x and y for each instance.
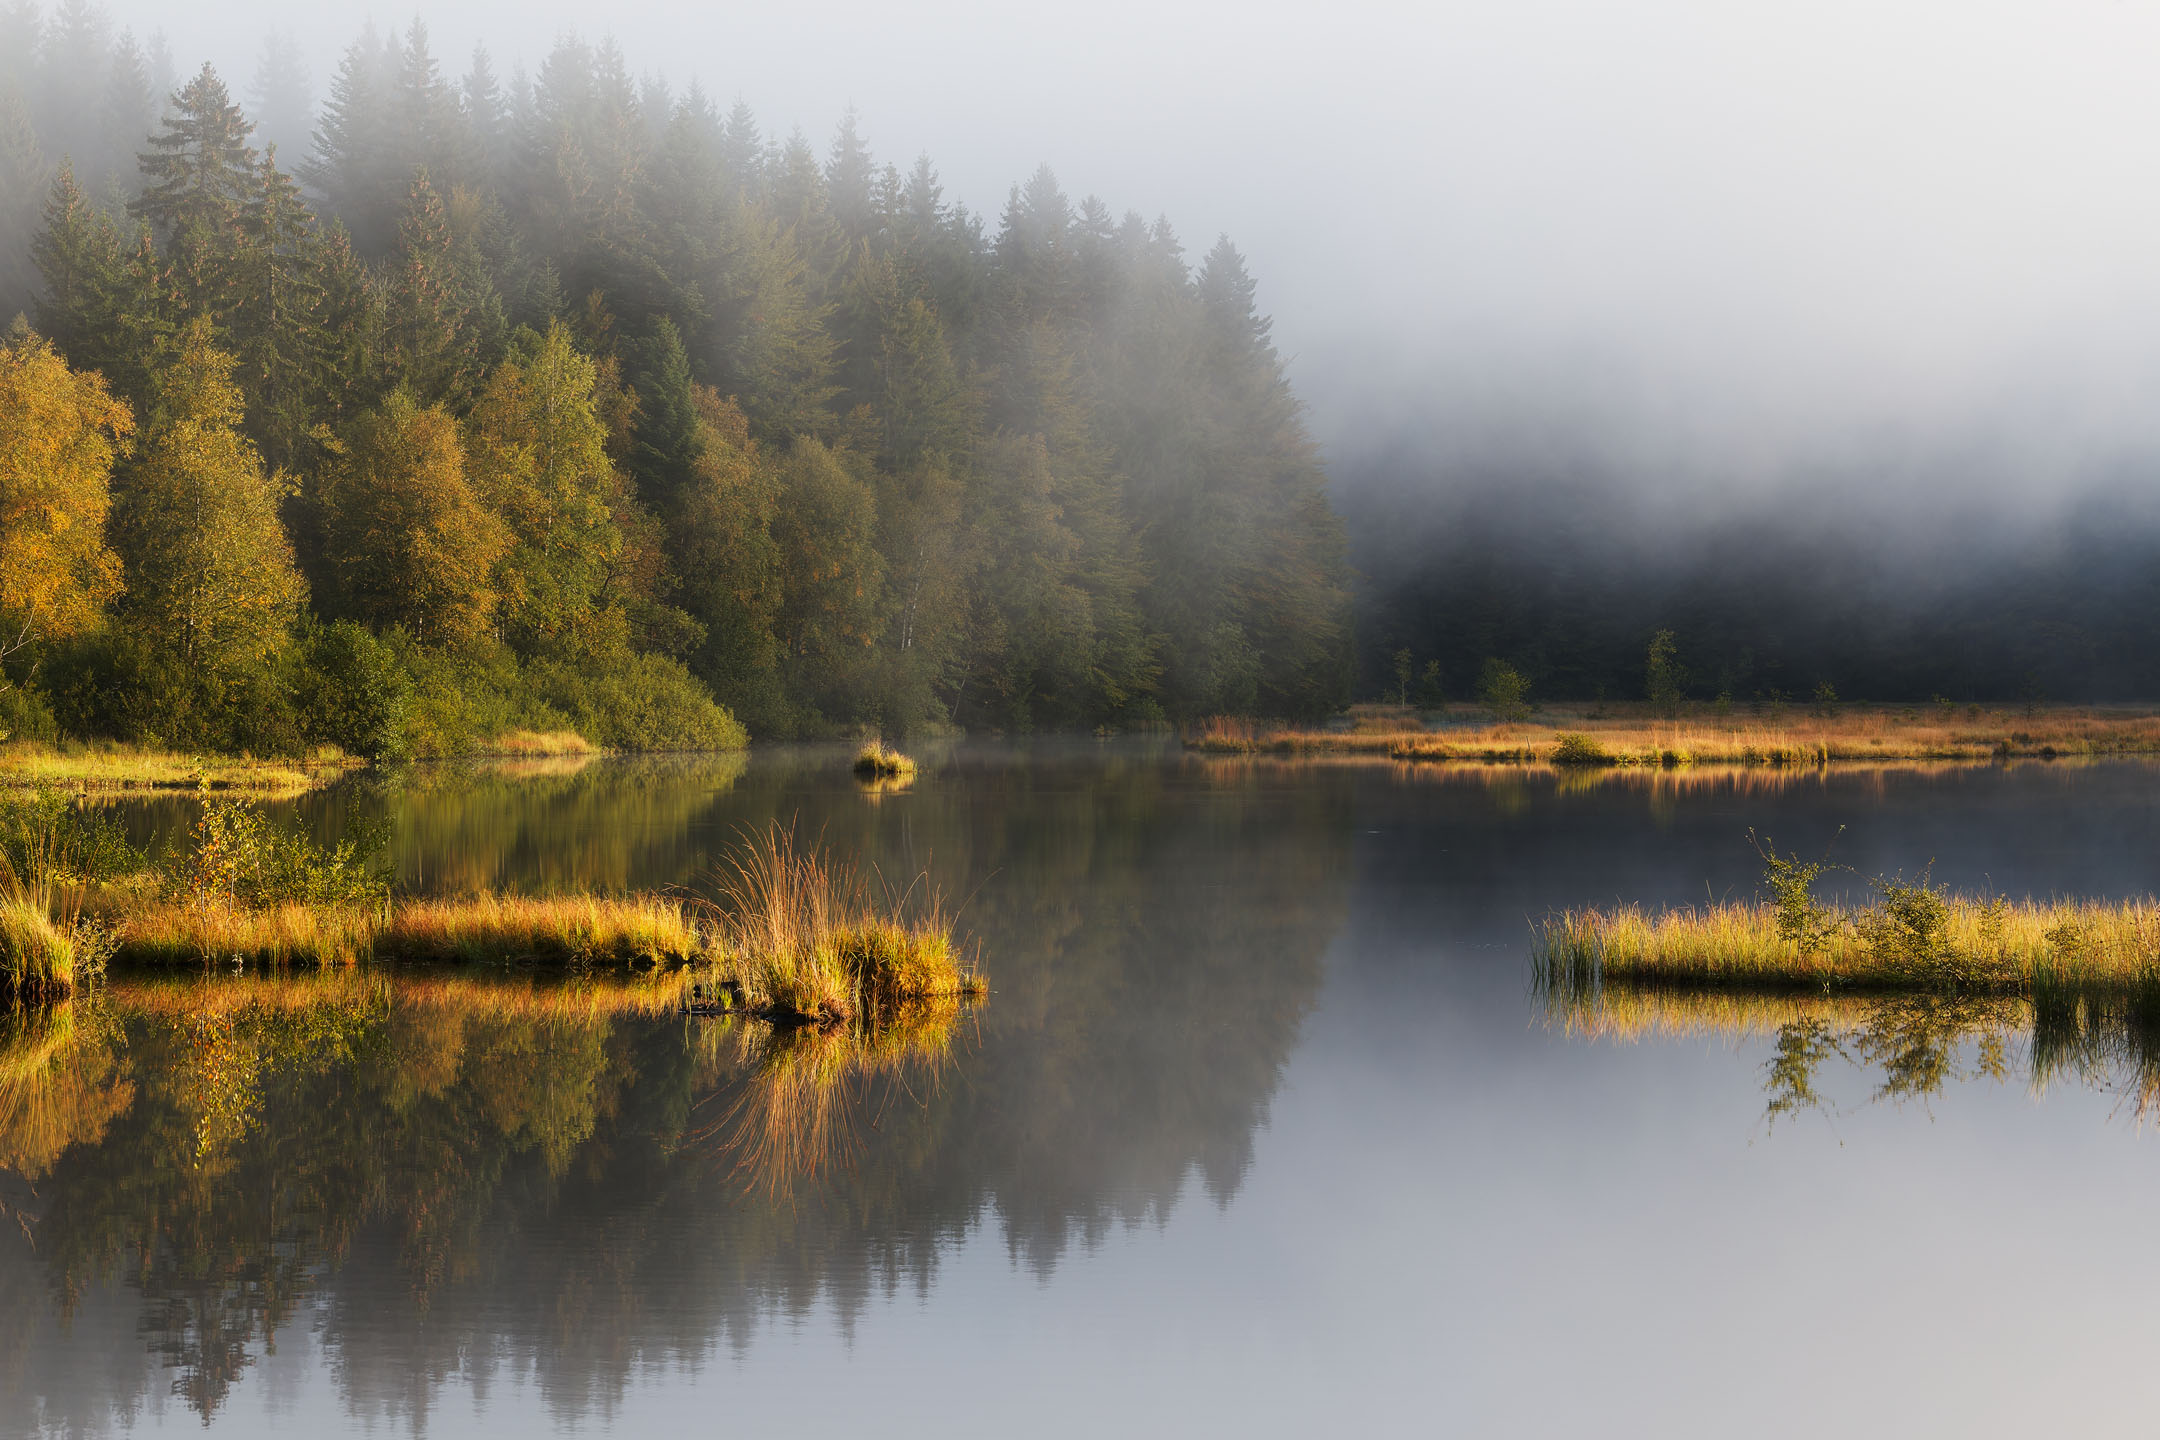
(573, 400)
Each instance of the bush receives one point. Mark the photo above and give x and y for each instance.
(638, 702)
(239, 857)
(353, 691)
(26, 715)
(1575, 749)
(47, 837)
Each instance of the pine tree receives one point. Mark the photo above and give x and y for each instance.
(127, 112)
(22, 174)
(199, 182)
(352, 166)
(209, 569)
(283, 103)
(277, 317)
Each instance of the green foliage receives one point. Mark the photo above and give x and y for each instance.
(1405, 667)
(1503, 691)
(1574, 748)
(238, 856)
(48, 837)
(807, 429)
(353, 692)
(1430, 695)
(637, 702)
(210, 570)
(1803, 921)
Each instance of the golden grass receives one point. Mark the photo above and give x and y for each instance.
(1874, 733)
(37, 956)
(626, 929)
(126, 767)
(1982, 946)
(794, 1115)
(532, 744)
(799, 937)
(879, 761)
(807, 939)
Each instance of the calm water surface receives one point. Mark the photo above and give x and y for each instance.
(1261, 1131)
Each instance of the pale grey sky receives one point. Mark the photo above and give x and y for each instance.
(1738, 234)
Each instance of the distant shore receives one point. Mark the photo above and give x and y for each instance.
(1607, 736)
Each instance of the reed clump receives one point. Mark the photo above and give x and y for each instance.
(879, 761)
(806, 939)
(539, 744)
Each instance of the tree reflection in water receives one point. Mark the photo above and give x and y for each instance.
(455, 1176)
(1910, 1046)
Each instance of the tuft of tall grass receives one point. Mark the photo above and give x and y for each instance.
(808, 939)
(879, 761)
(536, 744)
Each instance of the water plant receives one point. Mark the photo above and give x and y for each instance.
(879, 761)
(808, 939)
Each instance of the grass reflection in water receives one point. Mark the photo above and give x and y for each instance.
(1912, 1046)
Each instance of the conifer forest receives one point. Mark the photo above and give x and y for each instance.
(464, 401)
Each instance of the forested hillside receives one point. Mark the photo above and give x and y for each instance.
(453, 406)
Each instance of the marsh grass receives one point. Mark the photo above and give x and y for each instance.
(1643, 739)
(539, 744)
(810, 939)
(879, 761)
(480, 929)
(105, 766)
(1913, 938)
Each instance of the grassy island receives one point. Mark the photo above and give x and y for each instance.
(1635, 736)
(1912, 936)
(792, 936)
(879, 761)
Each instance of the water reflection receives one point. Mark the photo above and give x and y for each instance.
(1909, 1047)
(480, 1176)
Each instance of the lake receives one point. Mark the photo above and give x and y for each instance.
(1262, 1130)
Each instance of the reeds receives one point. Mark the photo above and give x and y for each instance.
(1973, 945)
(1859, 734)
(879, 761)
(621, 930)
(536, 744)
(807, 939)
(128, 767)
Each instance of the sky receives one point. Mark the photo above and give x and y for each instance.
(1732, 239)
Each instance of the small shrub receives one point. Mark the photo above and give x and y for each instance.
(1577, 749)
(1803, 922)
(240, 857)
(50, 838)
